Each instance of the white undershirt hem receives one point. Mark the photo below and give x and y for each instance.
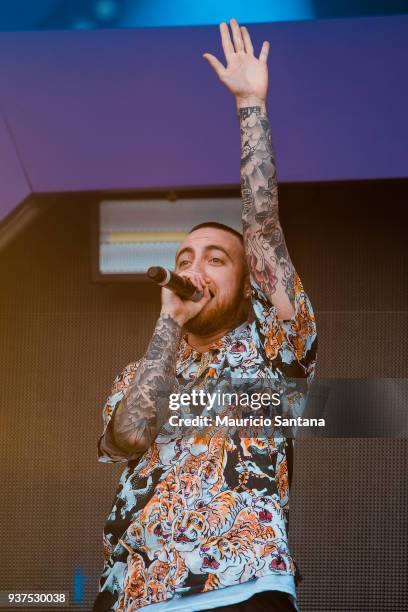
(227, 596)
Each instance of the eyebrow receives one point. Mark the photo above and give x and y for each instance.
(209, 247)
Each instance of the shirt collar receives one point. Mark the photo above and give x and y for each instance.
(186, 350)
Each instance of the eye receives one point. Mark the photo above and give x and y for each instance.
(183, 263)
(217, 261)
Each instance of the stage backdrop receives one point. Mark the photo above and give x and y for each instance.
(128, 109)
(63, 339)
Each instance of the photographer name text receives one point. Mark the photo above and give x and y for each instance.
(250, 421)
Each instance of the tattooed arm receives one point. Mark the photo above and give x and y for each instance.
(246, 77)
(143, 409)
(138, 405)
(268, 258)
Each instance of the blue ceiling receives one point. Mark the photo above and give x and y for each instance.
(94, 14)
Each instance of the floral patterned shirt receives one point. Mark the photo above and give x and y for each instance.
(200, 512)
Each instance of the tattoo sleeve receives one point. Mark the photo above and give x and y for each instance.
(268, 258)
(144, 408)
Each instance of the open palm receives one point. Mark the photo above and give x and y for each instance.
(245, 76)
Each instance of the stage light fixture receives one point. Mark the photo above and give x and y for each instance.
(133, 235)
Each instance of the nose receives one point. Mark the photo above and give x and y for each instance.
(198, 266)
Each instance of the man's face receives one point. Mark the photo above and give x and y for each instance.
(219, 257)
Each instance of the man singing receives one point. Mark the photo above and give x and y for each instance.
(200, 520)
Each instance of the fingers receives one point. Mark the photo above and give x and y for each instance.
(215, 63)
(247, 40)
(206, 294)
(237, 36)
(195, 278)
(226, 41)
(242, 41)
(263, 56)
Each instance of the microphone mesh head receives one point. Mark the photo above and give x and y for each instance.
(156, 273)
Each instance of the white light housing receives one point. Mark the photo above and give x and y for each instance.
(137, 234)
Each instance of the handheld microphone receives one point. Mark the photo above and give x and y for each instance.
(179, 285)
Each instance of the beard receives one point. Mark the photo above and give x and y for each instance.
(214, 316)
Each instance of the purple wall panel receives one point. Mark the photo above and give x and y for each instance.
(13, 185)
(140, 108)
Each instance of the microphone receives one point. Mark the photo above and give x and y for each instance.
(179, 285)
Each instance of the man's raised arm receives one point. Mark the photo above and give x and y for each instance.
(247, 78)
(268, 258)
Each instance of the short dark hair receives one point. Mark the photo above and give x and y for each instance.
(220, 226)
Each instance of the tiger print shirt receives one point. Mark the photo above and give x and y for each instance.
(202, 512)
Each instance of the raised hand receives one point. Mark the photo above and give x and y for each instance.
(245, 75)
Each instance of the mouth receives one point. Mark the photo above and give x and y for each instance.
(182, 538)
(265, 516)
(277, 564)
(238, 348)
(209, 561)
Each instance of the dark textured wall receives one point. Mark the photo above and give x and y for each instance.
(63, 339)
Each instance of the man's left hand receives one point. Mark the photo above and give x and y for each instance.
(246, 76)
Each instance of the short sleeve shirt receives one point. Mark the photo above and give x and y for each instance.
(198, 512)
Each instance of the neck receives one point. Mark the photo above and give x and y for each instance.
(203, 343)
